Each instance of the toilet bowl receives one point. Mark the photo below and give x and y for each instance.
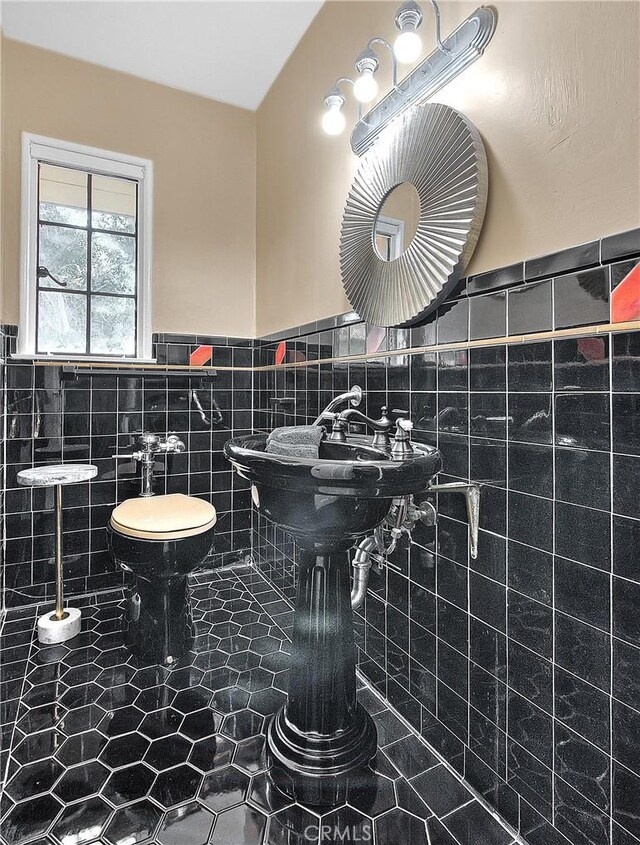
(160, 540)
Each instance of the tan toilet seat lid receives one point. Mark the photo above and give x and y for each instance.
(163, 517)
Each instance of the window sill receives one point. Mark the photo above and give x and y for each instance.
(71, 359)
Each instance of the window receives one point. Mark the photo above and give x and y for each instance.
(86, 252)
(389, 237)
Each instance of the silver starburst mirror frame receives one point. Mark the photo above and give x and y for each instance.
(438, 151)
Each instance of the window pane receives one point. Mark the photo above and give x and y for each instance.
(64, 253)
(113, 204)
(63, 195)
(113, 263)
(113, 326)
(62, 322)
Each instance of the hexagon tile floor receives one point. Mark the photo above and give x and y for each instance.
(106, 751)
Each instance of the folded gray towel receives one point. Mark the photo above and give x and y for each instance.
(298, 441)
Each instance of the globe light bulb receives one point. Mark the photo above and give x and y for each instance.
(333, 121)
(365, 87)
(407, 46)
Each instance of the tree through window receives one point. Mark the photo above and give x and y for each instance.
(87, 263)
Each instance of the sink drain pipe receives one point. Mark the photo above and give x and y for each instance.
(361, 570)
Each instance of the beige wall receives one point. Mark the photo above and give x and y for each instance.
(555, 97)
(204, 180)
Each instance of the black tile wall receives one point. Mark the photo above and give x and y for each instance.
(91, 418)
(521, 666)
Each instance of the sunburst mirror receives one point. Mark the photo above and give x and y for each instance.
(413, 215)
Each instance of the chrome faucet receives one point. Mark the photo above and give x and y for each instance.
(381, 427)
(353, 396)
(152, 445)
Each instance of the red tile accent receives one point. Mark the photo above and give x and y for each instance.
(200, 356)
(281, 351)
(625, 299)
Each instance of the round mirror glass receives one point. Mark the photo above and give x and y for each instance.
(397, 221)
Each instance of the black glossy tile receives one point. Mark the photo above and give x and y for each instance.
(133, 824)
(487, 368)
(189, 824)
(626, 423)
(175, 786)
(626, 803)
(472, 825)
(440, 790)
(531, 520)
(626, 623)
(581, 364)
(422, 372)
(583, 650)
(530, 778)
(582, 766)
(530, 623)
(626, 362)
(502, 278)
(529, 367)
(581, 299)
(530, 308)
(487, 415)
(453, 320)
(582, 420)
(582, 477)
(626, 537)
(590, 601)
(488, 316)
(582, 708)
(492, 554)
(576, 817)
(86, 821)
(626, 471)
(128, 784)
(410, 757)
(81, 781)
(583, 534)
(621, 245)
(531, 572)
(33, 779)
(487, 601)
(488, 649)
(572, 258)
(30, 819)
(626, 735)
(488, 461)
(453, 370)
(530, 417)
(530, 469)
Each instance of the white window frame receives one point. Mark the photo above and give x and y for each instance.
(36, 148)
(393, 229)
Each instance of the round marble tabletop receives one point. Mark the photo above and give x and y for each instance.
(50, 476)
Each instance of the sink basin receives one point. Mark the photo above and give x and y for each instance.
(331, 500)
(322, 739)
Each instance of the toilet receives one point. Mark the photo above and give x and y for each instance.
(160, 540)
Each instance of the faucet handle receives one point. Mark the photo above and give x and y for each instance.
(402, 447)
(173, 444)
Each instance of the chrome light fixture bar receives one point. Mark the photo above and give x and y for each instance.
(451, 56)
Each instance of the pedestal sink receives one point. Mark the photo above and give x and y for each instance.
(322, 737)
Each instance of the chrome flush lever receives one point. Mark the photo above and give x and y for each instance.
(471, 493)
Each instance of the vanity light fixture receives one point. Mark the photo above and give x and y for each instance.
(408, 44)
(451, 56)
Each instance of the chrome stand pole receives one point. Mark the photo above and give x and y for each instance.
(60, 614)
